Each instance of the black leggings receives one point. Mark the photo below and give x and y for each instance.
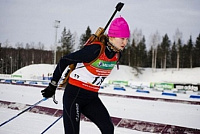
(76, 101)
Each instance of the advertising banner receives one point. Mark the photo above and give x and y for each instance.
(187, 87)
(118, 82)
(162, 85)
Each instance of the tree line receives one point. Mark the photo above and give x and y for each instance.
(12, 59)
(162, 53)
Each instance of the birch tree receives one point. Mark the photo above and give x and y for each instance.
(154, 42)
(178, 43)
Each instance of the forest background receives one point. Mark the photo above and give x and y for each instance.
(160, 52)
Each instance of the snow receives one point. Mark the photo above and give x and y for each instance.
(36, 123)
(186, 115)
(125, 73)
(164, 112)
(35, 71)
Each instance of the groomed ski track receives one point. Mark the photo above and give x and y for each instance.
(121, 122)
(143, 126)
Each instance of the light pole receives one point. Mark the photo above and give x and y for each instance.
(10, 65)
(56, 25)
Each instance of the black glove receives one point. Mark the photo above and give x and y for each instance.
(50, 90)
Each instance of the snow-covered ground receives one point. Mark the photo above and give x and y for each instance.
(125, 73)
(36, 123)
(180, 114)
(159, 111)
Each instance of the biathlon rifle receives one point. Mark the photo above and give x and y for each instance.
(100, 31)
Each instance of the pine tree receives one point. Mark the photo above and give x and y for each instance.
(190, 51)
(159, 57)
(85, 37)
(184, 58)
(197, 52)
(142, 53)
(67, 42)
(173, 56)
(124, 60)
(150, 58)
(165, 46)
(178, 46)
(132, 54)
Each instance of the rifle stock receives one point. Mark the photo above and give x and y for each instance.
(95, 37)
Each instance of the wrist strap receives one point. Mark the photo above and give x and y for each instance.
(54, 83)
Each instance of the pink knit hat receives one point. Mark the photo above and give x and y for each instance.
(119, 28)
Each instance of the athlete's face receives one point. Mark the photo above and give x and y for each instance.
(119, 43)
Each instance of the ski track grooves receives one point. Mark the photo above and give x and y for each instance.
(119, 122)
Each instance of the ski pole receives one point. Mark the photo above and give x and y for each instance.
(52, 124)
(23, 111)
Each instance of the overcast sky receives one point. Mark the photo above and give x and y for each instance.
(32, 21)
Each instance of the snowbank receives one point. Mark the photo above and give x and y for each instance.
(35, 71)
(125, 73)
